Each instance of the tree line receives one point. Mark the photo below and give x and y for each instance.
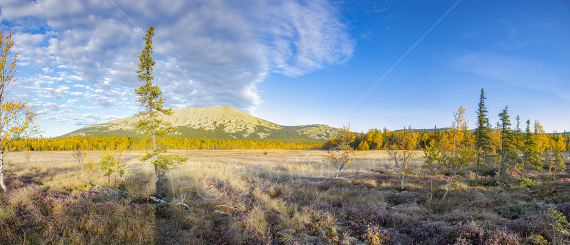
(145, 143)
(494, 151)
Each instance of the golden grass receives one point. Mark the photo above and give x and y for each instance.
(286, 196)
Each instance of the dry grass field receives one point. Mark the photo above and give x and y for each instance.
(282, 197)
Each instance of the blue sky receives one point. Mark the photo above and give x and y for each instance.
(372, 64)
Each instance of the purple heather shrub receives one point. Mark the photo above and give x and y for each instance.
(360, 216)
(383, 219)
(16, 182)
(531, 223)
(432, 233)
(405, 197)
(500, 237)
(564, 208)
(328, 207)
(456, 218)
(363, 211)
(471, 233)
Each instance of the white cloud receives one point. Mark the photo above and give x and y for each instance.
(26, 40)
(43, 108)
(62, 89)
(85, 119)
(207, 52)
(18, 9)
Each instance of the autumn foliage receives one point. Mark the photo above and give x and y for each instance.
(341, 154)
(16, 119)
(143, 144)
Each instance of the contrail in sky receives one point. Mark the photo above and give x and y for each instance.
(398, 62)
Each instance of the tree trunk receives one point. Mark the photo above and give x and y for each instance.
(501, 168)
(403, 181)
(158, 191)
(156, 168)
(448, 187)
(431, 188)
(2, 172)
(153, 141)
(523, 168)
(477, 168)
(496, 193)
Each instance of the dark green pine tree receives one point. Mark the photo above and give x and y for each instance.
(518, 142)
(507, 140)
(530, 149)
(482, 138)
(507, 151)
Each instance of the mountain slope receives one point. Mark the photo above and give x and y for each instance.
(216, 123)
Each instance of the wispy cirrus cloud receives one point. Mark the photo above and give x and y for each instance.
(522, 72)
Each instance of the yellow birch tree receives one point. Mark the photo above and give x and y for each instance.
(17, 119)
(455, 150)
(401, 148)
(341, 154)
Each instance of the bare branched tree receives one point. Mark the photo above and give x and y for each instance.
(341, 154)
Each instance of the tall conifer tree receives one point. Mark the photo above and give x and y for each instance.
(506, 147)
(506, 142)
(530, 150)
(151, 100)
(482, 138)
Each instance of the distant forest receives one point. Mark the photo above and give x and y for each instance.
(143, 143)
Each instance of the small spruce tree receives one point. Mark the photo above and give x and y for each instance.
(482, 138)
(530, 149)
(507, 141)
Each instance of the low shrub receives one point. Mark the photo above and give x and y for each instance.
(456, 218)
(362, 211)
(535, 240)
(531, 223)
(256, 223)
(413, 210)
(405, 197)
(376, 236)
(564, 208)
(433, 233)
(384, 220)
(483, 182)
(557, 199)
(515, 211)
(488, 172)
(501, 237)
(446, 172)
(527, 182)
(471, 233)
(450, 204)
